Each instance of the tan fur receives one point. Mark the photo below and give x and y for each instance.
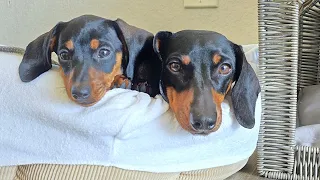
(69, 44)
(180, 103)
(94, 44)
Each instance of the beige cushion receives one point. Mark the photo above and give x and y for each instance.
(89, 172)
(8, 173)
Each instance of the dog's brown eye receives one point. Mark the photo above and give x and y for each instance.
(103, 53)
(175, 67)
(224, 69)
(65, 56)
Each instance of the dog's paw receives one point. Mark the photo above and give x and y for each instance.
(142, 87)
(121, 81)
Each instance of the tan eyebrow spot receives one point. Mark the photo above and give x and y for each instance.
(52, 42)
(216, 58)
(94, 44)
(186, 60)
(69, 44)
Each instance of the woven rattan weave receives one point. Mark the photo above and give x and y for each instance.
(289, 42)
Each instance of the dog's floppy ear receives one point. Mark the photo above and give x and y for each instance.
(245, 91)
(135, 38)
(37, 57)
(135, 41)
(158, 42)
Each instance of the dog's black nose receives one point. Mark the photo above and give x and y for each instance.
(203, 124)
(80, 92)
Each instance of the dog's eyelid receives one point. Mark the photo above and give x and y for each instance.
(174, 59)
(104, 48)
(224, 60)
(106, 44)
(64, 50)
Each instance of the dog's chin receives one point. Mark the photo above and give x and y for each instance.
(198, 133)
(192, 131)
(201, 133)
(86, 104)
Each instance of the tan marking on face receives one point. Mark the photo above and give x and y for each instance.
(100, 82)
(216, 58)
(217, 99)
(94, 44)
(180, 103)
(67, 80)
(186, 60)
(69, 44)
(119, 80)
(53, 41)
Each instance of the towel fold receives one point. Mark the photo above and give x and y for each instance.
(126, 129)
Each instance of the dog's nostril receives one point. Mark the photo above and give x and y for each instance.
(211, 122)
(197, 125)
(211, 125)
(74, 96)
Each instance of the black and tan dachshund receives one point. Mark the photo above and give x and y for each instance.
(95, 55)
(192, 70)
(198, 69)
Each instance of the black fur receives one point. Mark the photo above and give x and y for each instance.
(37, 56)
(245, 90)
(202, 73)
(135, 44)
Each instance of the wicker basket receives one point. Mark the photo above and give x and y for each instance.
(289, 40)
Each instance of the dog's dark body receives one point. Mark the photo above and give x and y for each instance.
(95, 55)
(199, 69)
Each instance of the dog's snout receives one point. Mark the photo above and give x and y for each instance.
(203, 124)
(80, 92)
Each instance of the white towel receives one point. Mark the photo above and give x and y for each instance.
(308, 117)
(308, 135)
(126, 129)
(309, 105)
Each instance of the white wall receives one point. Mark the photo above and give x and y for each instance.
(23, 20)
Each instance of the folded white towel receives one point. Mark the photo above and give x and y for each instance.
(308, 106)
(308, 135)
(308, 123)
(126, 129)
